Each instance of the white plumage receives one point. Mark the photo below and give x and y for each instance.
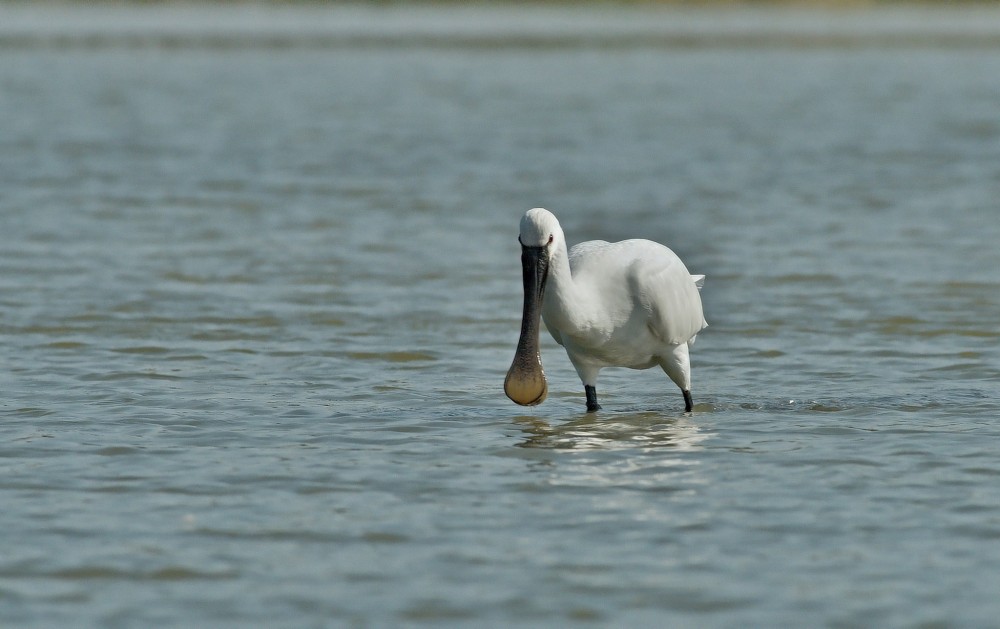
(628, 304)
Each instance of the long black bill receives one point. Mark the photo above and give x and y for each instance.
(525, 383)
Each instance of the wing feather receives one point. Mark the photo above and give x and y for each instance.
(651, 277)
(669, 294)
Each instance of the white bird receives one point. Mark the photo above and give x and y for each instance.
(625, 304)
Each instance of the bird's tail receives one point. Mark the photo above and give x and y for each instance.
(699, 281)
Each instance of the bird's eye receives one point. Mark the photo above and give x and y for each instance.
(550, 240)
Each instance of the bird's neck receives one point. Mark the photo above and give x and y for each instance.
(566, 306)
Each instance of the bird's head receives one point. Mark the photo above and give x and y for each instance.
(540, 228)
(540, 237)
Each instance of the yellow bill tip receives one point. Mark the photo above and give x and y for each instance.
(526, 387)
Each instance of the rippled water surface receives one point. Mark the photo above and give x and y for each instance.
(260, 284)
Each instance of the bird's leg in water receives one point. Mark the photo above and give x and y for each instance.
(592, 404)
(688, 404)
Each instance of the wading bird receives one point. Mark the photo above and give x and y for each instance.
(623, 304)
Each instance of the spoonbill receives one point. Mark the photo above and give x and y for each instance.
(609, 304)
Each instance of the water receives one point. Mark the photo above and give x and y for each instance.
(259, 287)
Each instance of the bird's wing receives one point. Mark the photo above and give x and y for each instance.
(646, 276)
(666, 290)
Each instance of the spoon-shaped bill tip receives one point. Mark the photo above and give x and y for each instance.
(525, 385)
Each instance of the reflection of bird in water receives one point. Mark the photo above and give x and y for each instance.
(641, 430)
(625, 304)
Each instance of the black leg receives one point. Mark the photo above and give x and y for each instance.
(592, 404)
(688, 404)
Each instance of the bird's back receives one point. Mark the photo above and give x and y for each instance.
(646, 276)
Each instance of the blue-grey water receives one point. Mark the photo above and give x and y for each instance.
(260, 285)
